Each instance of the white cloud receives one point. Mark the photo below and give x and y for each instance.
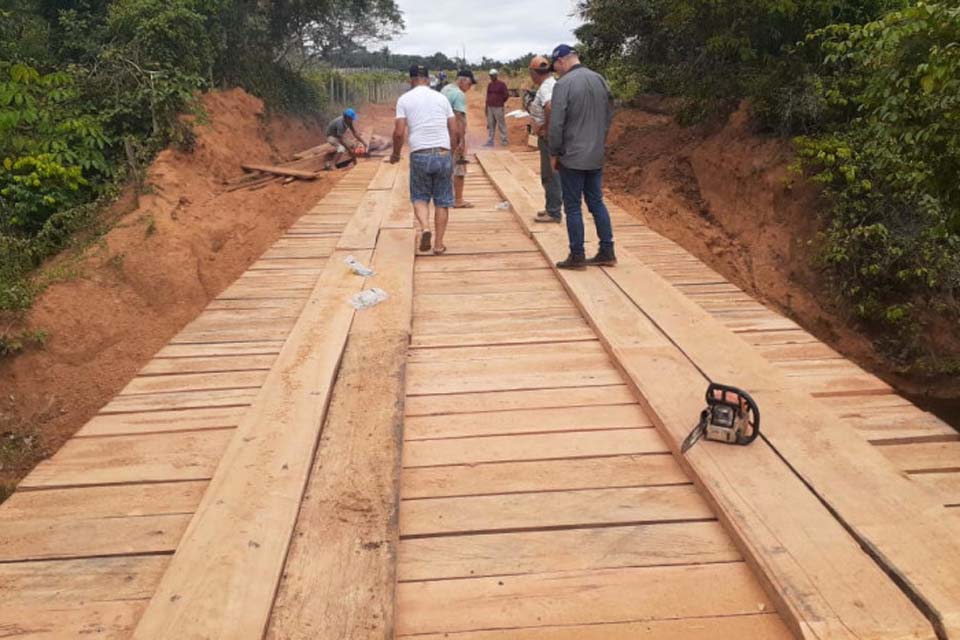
(500, 29)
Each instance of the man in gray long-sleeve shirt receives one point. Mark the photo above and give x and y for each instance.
(581, 113)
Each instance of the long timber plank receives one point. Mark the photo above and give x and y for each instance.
(243, 524)
(577, 598)
(475, 556)
(339, 576)
(757, 625)
(813, 568)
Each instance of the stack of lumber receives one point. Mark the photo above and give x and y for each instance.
(306, 165)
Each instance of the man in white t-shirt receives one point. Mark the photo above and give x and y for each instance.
(433, 131)
(541, 72)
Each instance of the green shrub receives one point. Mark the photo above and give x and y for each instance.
(50, 147)
(32, 188)
(890, 167)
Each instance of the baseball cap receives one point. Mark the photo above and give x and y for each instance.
(493, 72)
(562, 51)
(467, 73)
(350, 113)
(540, 63)
(419, 71)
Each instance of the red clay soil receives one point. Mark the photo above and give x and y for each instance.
(163, 260)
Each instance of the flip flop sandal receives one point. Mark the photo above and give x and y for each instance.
(439, 251)
(425, 241)
(465, 205)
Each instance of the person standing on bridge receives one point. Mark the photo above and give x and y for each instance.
(497, 96)
(456, 94)
(427, 115)
(580, 116)
(336, 137)
(541, 73)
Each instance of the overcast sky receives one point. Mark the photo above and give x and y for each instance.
(499, 29)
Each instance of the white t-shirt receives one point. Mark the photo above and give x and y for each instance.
(543, 97)
(427, 112)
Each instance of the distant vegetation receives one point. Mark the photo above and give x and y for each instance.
(870, 89)
(91, 89)
(385, 59)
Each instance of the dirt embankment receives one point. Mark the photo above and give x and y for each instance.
(171, 250)
(727, 195)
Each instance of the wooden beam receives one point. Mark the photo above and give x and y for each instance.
(824, 585)
(361, 232)
(341, 569)
(221, 581)
(281, 171)
(386, 176)
(400, 215)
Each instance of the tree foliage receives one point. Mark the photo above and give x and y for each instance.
(712, 52)
(889, 161)
(873, 86)
(86, 83)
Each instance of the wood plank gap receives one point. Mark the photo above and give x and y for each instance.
(527, 433)
(164, 409)
(161, 393)
(103, 556)
(106, 484)
(526, 460)
(152, 432)
(559, 527)
(537, 491)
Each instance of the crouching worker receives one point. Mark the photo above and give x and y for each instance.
(336, 137)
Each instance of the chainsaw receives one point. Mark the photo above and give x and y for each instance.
(731, 416)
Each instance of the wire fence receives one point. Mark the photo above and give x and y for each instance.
(350, 87)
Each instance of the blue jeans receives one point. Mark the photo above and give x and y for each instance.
(579, 185)
(550, 180)
(431, 178)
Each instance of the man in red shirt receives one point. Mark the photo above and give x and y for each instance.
(497, 95)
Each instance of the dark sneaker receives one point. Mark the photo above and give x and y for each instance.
(575, 261)
(547, 218)
(604, 258)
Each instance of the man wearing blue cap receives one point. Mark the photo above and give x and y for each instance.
(336, 132)
(581, 111)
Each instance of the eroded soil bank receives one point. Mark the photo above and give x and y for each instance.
(171, 249)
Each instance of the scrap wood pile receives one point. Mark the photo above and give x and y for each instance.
(306, 165)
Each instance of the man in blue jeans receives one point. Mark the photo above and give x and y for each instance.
(580, 117)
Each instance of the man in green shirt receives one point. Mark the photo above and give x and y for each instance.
(456, 94)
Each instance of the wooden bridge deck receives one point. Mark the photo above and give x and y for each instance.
(488, 454)
(916, 441)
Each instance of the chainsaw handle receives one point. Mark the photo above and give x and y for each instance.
(717, 393)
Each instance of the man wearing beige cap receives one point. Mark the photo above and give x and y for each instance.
(541, 73)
